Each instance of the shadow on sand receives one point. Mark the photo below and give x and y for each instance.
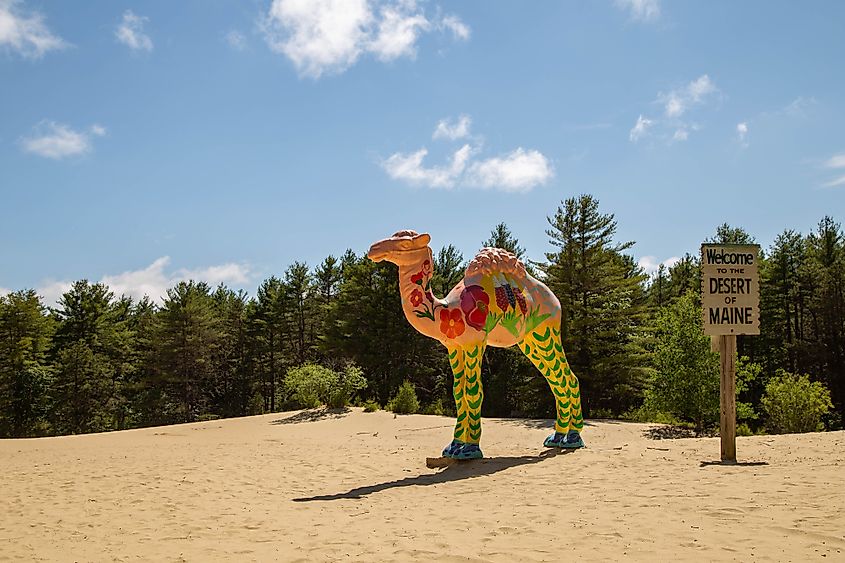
(313, 415)
(734, 463)
(669, 433)
(538, 423)
(456, 472)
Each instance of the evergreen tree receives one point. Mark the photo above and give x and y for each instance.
(269, 330)
(602, 301)
(90, 348)
(449, 269)
(25, 332)
(188, 337)
(298, 293)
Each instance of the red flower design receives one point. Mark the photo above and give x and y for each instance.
(416, 297)
(417, 278)
(451, 323)
(426, 268)
(474, 304)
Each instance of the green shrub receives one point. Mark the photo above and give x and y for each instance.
(348, 382)
(405, 401)
(743, 429)
(371, 406)
(602, 413)
(312, 385)
(795, 404)
(435, 407)
(256, 404)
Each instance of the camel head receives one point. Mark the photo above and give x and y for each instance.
(403, 248)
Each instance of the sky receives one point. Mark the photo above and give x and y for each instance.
(144, 143)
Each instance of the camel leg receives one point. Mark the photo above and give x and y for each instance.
(543, 347)
(469, 394)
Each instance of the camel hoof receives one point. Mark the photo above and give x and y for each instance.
(462, 450)
(570, 441)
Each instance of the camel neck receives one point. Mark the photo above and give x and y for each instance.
(420, 305)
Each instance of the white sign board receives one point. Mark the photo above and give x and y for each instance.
(730, 288)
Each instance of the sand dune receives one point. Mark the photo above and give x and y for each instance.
(314, 487)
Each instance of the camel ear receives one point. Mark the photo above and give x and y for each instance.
(422, 240)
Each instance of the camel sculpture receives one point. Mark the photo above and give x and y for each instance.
(497, 304)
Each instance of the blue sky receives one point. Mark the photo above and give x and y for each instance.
(142, 143)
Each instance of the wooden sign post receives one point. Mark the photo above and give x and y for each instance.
(730, 303)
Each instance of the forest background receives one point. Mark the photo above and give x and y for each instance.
(98, 361)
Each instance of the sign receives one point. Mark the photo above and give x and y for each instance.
(730, 288)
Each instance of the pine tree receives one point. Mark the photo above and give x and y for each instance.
(188, 337)
(90, 348)
(602, 301)
(25, 374)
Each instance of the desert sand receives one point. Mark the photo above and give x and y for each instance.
(317, 486)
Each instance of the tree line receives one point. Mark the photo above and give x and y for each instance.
(98, 362)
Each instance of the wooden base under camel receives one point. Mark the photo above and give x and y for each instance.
(497, 304)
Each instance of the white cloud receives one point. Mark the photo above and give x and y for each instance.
(447, 129)
(25, 33)
(130, 32)
(640, 128)
(742, 133)
(836, 161)
(236, 40)
(674, 126)
(52, 291)
(409, 168)
(459, 29)
(55, 140)
(518, 171)
(677, 102)
(329, 36)
(397, 33)
(650, 264)
(154, 280)
(4, 291)
(836, 182)
(641, 10)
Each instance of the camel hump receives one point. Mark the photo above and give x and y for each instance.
(494, 261)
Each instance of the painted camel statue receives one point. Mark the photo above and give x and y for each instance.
(497, 304)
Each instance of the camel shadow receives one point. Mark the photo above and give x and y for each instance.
(313, 415)
(456, 472)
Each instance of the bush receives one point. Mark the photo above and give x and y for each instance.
(313, 385)
(371, 406)
(351, 380)
(256, 404)
(435, 407)
(795, 404)
(405, 401)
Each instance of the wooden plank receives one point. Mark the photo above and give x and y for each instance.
(727, 392)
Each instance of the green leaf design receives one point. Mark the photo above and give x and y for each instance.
(534, 319)
(491, 321)
(544, 336)
(512, 322)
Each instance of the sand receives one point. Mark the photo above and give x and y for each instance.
(312, 486)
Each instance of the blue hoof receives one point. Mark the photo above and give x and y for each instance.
(570, 441)
(462, 450)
